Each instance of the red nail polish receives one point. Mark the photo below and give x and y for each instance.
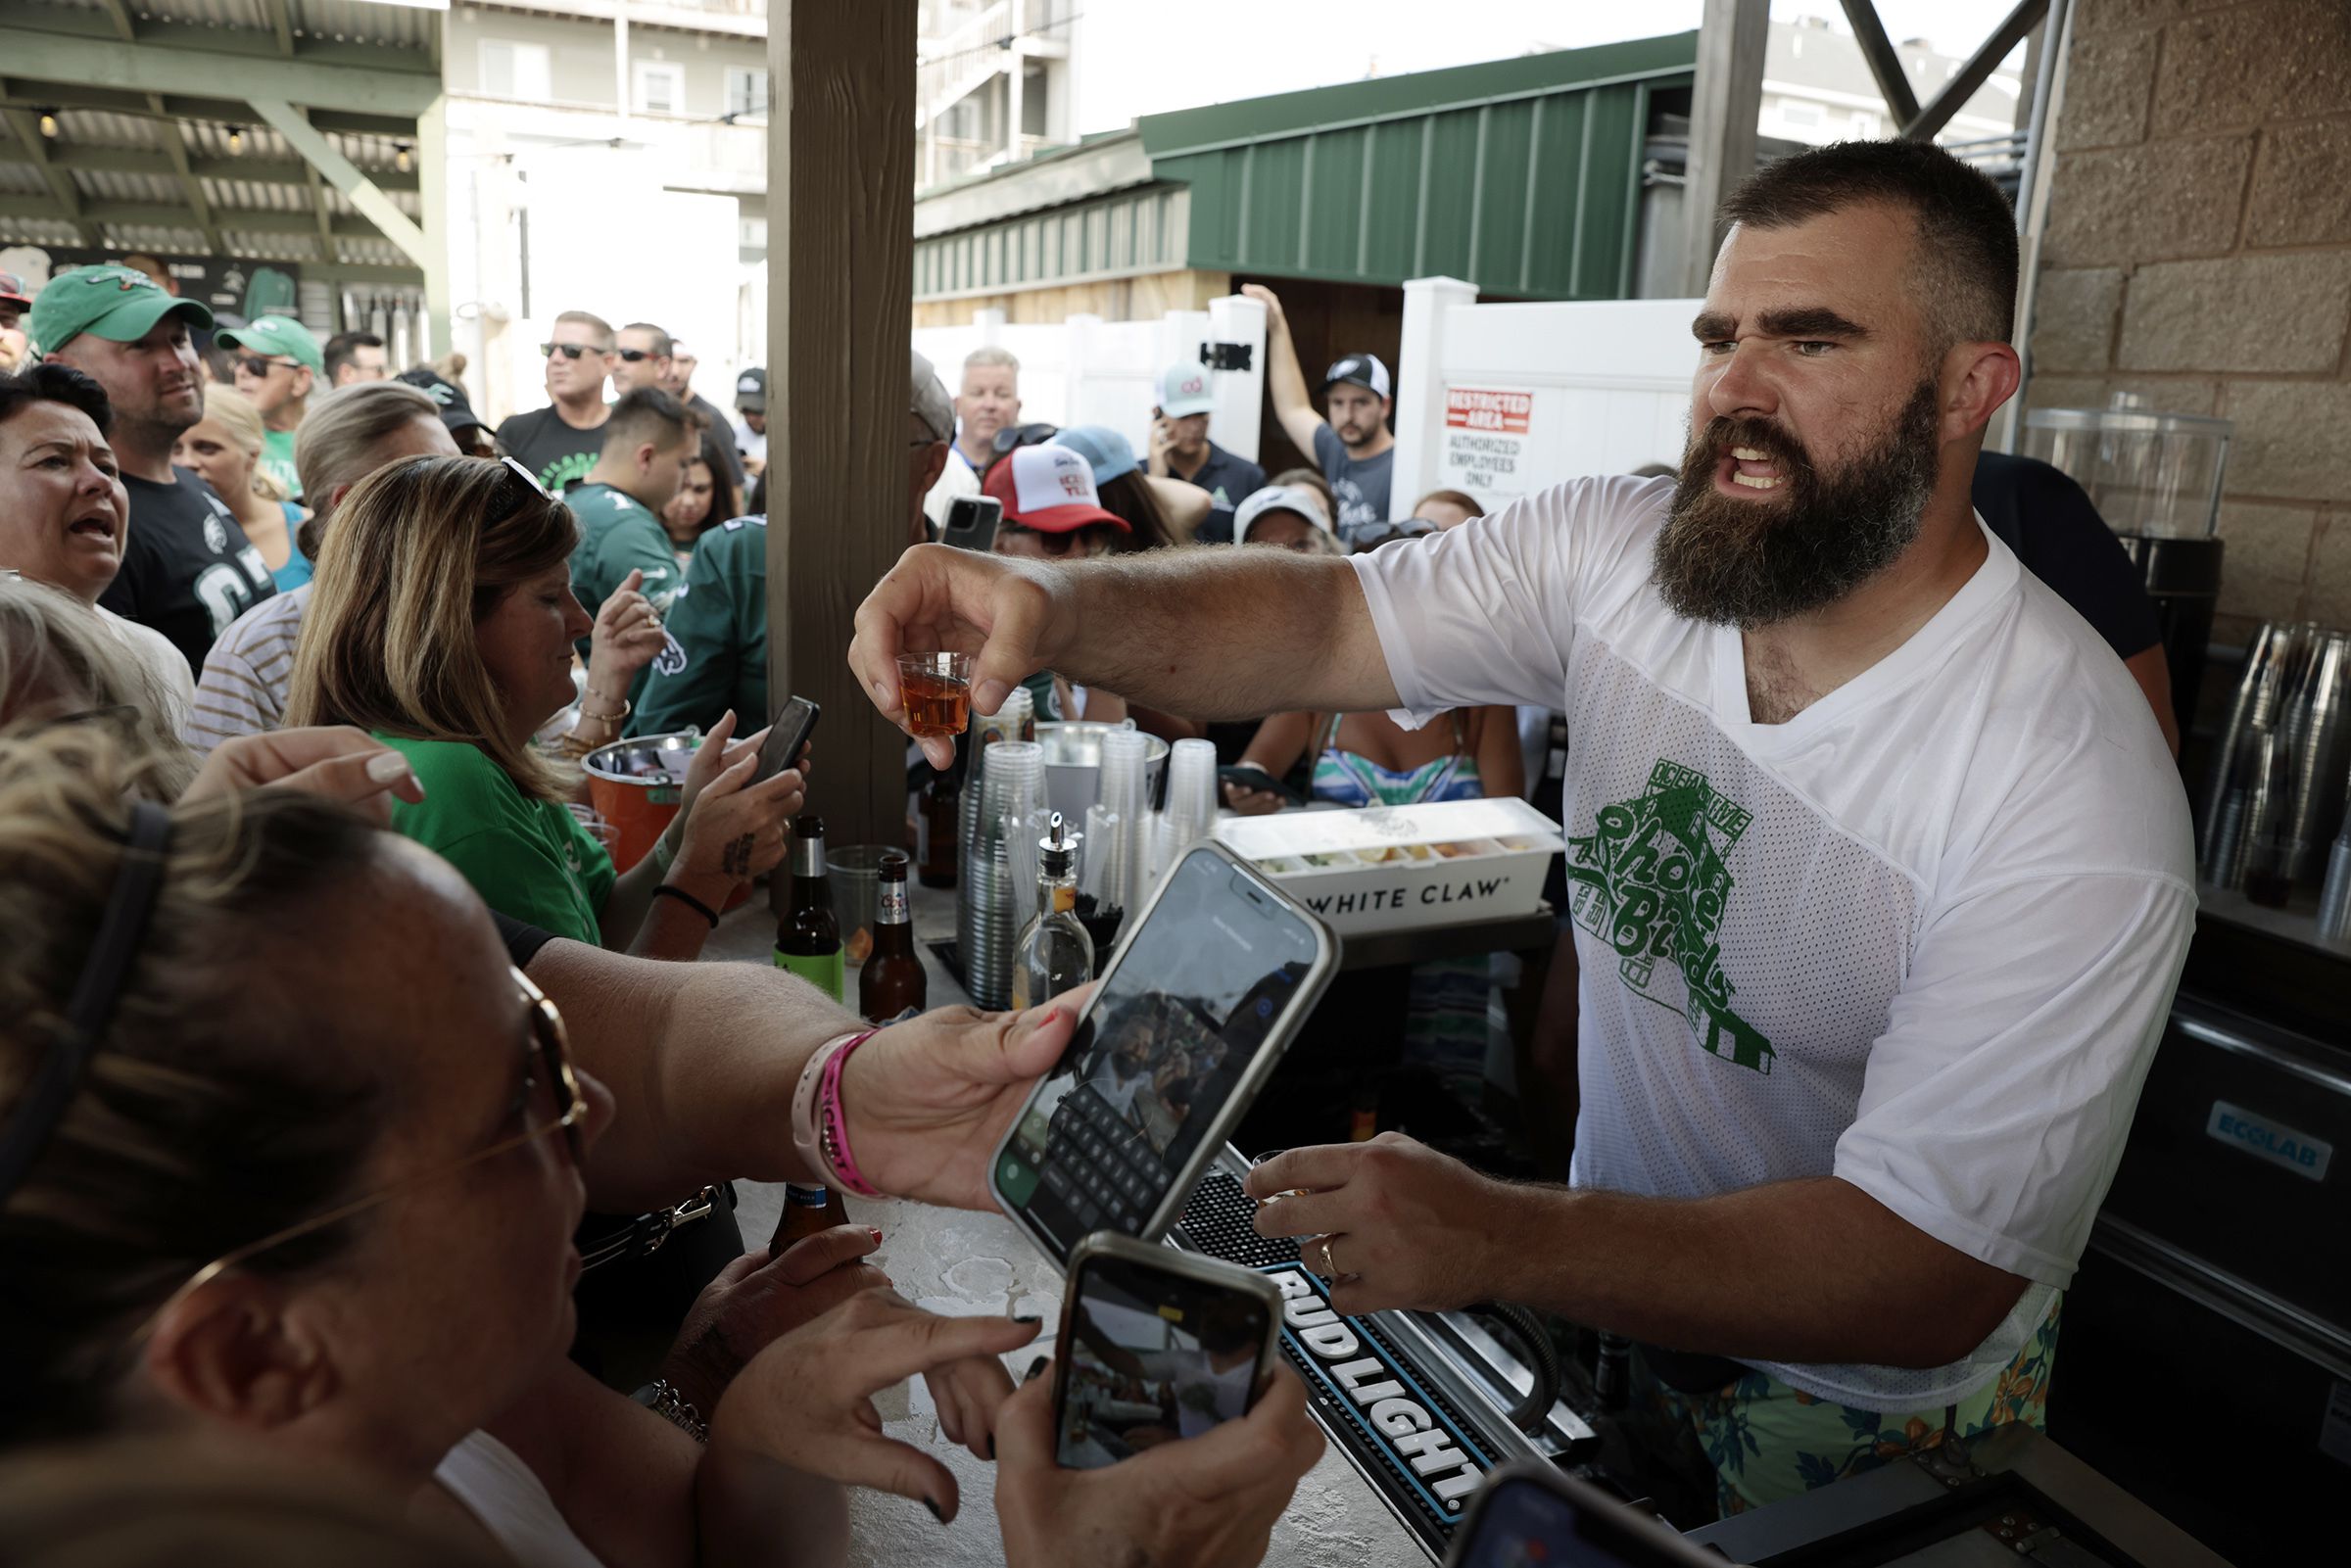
(876, 1235)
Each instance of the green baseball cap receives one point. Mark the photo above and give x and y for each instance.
(277, 334)
(116, 303)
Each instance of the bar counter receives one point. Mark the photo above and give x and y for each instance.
(951, 1261)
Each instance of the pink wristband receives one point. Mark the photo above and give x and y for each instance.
(833, 1122)
(808, 1121)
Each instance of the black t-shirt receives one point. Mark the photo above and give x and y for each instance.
(1228, 478)
(550, 449)
(2050, 523)
(188, 569)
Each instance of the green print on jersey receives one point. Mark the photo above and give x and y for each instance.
(1650, 881)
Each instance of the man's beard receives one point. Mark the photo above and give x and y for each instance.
(1750, 563)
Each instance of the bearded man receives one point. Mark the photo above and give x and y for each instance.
(1879, 868)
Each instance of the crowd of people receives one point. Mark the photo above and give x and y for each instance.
(298, 658)
(279, 652)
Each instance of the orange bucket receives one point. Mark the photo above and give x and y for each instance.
(636, 786)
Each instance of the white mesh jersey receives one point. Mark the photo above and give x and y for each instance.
(1923, 936)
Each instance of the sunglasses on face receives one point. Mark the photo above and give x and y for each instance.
(252, 364)
(549, 1099)
(569, 350)
(1050, 544)
(633, 356)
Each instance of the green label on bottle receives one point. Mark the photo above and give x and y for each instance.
(825, 974)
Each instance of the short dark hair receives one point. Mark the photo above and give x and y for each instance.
(339, 349)
(1966, 230)
(54, 383)
(663, 348)
(648, 414)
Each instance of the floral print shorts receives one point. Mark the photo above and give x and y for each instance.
(1766, 1440)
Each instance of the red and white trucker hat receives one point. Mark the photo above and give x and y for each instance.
(1050, 489)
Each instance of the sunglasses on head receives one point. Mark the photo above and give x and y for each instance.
(1389, 533)
(569, 350)
(252, 364)
(519, 488)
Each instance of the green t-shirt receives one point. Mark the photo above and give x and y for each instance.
(277, 462)
(717, 653)
(529, 859)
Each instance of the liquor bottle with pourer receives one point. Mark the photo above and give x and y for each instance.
(892, 985)
(808, 940)
(1055, 955)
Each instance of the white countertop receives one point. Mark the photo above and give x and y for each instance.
(951, 1262)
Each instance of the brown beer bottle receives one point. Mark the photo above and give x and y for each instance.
(807, 1211)
(938, 820)
(808, 942)
(892, 985)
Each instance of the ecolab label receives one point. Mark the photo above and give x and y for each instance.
(2272, 1141)
(1503, 412)
(1446, 1464)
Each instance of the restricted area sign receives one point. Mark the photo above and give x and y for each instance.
(1485, 440)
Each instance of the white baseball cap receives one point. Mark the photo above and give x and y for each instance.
(1050, 489)
(1364, 370)
(1277, 499)
(1183, 390)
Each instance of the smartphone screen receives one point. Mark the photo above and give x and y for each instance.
(1218, 965)
(786, 733)
(1524, 1524)
(1150, 1355)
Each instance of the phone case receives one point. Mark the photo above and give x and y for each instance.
(1166, 1260)
(1252, 1080)
(1623, 1533)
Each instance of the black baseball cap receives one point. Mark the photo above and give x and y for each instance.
(1364, 370)
(750, 391)
(456, 411)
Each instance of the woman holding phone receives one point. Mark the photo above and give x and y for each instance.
(442, 622)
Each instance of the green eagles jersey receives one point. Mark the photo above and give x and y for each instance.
(618, 536)
(717, 657)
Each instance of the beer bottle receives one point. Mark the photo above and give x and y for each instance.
(808, 942)
(807, 1211)
(892, 985)
(938, 819)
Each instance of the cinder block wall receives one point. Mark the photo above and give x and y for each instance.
(2199, 253)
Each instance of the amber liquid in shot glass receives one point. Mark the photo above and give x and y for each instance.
(936, 703)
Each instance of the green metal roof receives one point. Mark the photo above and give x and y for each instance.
(1523, 176)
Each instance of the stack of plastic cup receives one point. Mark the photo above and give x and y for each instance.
(1118, 839)
(1191, 790)
(1015, 811)
(1013, 782)
(1005, 724)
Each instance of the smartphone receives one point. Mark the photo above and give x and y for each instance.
(972, 523)
(1155, 1344)
(788, 731)
(1217, 975)
(1248, 775)
(1528, 1514)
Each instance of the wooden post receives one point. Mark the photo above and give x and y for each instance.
(1725, 102)
(840, 310)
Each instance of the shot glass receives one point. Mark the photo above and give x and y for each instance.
(936, 690)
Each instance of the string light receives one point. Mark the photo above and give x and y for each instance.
(49, 124)
(236, 140)
(400, 157)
